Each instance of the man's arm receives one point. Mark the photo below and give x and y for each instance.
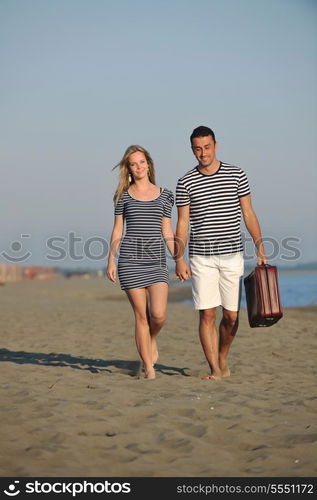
(253, 226)
(182, 269)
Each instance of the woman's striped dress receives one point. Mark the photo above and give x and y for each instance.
(142, 258)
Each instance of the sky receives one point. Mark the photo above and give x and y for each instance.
(81, 80)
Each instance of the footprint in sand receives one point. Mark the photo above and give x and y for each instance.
(186, 413)
(141, 449)
(301, 438)
(192, 429)
(181, 445)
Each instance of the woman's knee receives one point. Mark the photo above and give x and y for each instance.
(141, 317)
(158, 319)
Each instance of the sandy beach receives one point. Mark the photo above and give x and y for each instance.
(74, 401)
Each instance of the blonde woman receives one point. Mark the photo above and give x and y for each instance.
(143, 274)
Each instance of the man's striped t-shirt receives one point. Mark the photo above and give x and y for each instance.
(215, 211)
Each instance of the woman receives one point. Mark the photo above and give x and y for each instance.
(142, 267)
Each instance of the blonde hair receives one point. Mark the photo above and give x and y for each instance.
(124, 170)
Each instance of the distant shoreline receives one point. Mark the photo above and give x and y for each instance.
(297, 271)
(281, 271)
(178, 292)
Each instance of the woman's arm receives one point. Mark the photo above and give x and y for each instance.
(116, 236)
(168, 234)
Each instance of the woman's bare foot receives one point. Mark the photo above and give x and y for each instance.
(149, 373)
(143, 367)
(155, 354)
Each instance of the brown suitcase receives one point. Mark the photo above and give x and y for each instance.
(262, 296)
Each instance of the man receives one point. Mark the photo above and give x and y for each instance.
(211, 198)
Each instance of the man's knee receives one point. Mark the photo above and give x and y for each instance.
(230, 318)
(208, 316)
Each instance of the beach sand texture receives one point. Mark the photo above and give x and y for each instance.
(74, 401)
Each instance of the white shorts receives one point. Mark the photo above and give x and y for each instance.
(217, 280)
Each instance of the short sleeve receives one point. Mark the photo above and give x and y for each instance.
(118, 207)
(168, 205)
(243, 188)
(182, 195)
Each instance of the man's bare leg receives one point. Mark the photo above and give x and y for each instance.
(209, 340)
(227, 330)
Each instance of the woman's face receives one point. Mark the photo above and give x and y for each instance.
(138, 165)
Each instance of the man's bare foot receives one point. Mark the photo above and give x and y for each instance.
(150, 373)
(225, 372)
(211, 377)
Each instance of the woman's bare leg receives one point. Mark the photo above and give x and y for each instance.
(158, 295)
(138, 301)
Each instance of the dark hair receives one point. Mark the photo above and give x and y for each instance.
(202, 131)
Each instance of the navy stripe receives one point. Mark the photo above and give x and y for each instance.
(215, 211)
(142, 258)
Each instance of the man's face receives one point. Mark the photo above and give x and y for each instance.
(204, 148)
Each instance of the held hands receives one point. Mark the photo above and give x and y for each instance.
(182, 270)
(112, 272)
